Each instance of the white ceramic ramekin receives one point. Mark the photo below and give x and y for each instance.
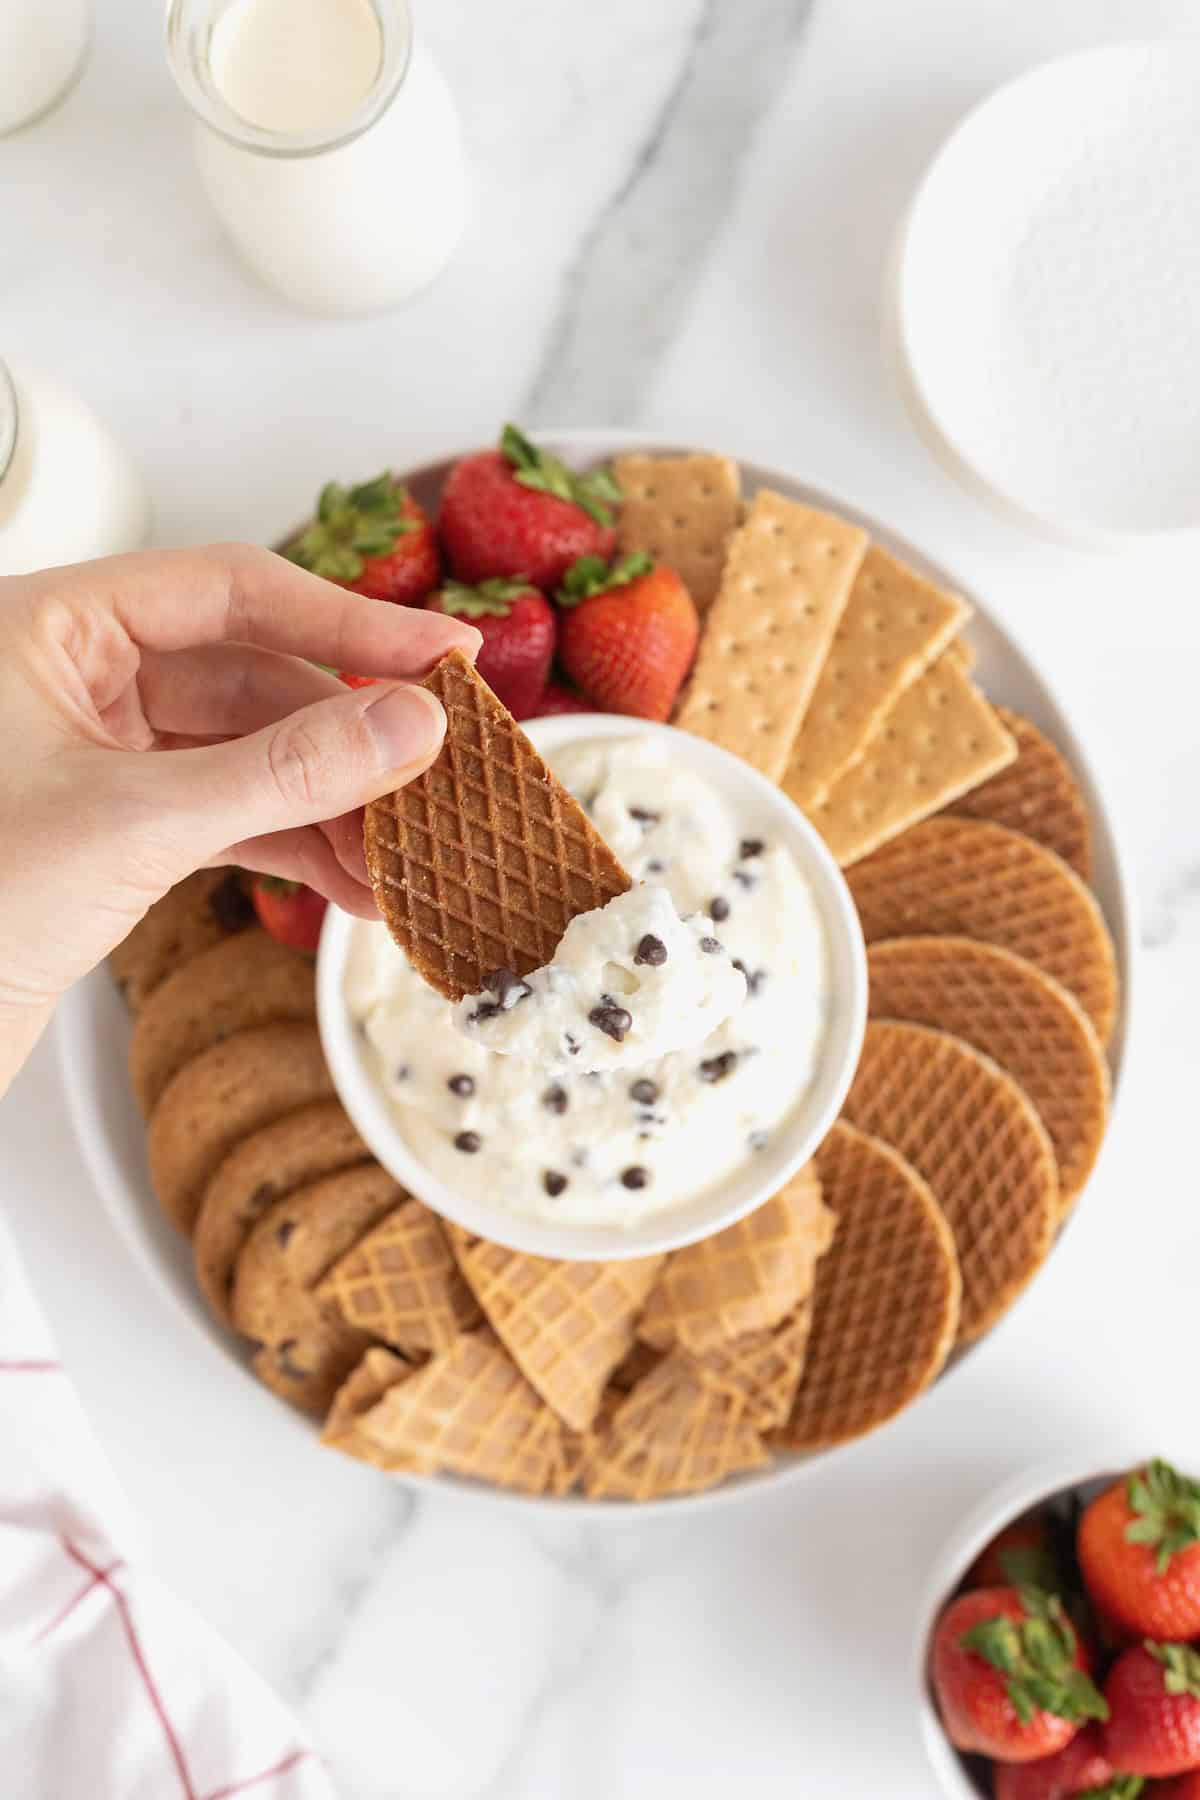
(1018, 1496)
(762, 810)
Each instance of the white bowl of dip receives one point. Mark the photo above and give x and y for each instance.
(762, 812)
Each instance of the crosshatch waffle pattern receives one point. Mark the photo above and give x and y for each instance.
(401, 1283)
(483, 861)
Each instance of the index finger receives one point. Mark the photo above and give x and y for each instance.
(173, 599)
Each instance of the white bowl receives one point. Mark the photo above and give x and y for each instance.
(1032, 1488)
(762, 810)
(92, 1025)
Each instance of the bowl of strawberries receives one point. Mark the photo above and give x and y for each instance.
(1059, 1654)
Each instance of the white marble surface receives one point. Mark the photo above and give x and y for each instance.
(681, 217)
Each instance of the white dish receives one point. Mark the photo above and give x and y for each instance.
(1043, 297)
(92, 1028)
(761, 810)
(1024, 1492)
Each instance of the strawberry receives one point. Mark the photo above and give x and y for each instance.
(358, 681)
(518, 511)
(1153, 1695)
(1022, 1552)
(1184, 1787)
(517, 622)
(1010, 1675)
(1080, 1767)
(373, 539)
(629, 634)
(1139, 1549)
(291, 912)
(559, 699)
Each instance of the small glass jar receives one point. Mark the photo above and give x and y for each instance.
(342, 188)
(43, 47)
(68, 489)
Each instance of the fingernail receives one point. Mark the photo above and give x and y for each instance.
(408, 725)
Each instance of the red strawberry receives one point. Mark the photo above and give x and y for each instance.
(1080, 1767)
(1153, 1695)
(517, 622)
(290, 911)
(1139, 1549)
(1184, 1787)
(629, 634)
(373, 539)
(518, 511)
(1010, 1674)
(1022, 1552)
(559, 699)
(358, 681)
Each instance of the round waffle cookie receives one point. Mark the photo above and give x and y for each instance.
(970, 1131)
(968, 878)
(886, 1303)
(1037, 794)
(1018, 1016)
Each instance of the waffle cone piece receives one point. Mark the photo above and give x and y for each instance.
(677, 1433)
(967, 878)
(745, 1278)
(363, 1388)
(971, 1132)
(1001, 1004)
(482, 862)
(567, 1325)
(885, 1305)
(401, 1283)
(470, 1411)
(1037, 794)
(763, 1368)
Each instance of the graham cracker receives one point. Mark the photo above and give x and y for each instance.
(939, 739)
(969, 878)
(788, 575)
(886, 1302)
(895, 624)
(974, 1136)
(1020, 1017)
(961, 652)
(482, 862)
(682, 511)
(1037, 794)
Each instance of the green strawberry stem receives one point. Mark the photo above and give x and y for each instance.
(1168, 1509)
(1037, 1655)
(351, 525)
(1181, 1667)
(591, 575)
(279, 884)
(1121, 1787)
(491, 599)
(596, 492)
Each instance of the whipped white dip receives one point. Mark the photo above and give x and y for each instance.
(715, 1055)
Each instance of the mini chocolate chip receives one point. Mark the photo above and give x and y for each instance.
(283, 1357)
(654, 867)
(743, 878)
(486, 1010)
(468, 1142)
(462, 1085)
(283, 1232)
(230, 904)
(507, 987)
(645, 1092)
(572, 1043)
(401, 1072)
(635, 1177)
(758, 1140)
(651, 950)
(360, 1028)
(263, 1192)
(555, 1099)
(644, 816)
(751, 847)
(614, 1021)
(711, 946)
(716, 1068)
(718, 909)
(754, 977)
(554, 1183)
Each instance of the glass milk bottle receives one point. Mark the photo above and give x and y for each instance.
(68, 491)
(43, 47)
(328, 143)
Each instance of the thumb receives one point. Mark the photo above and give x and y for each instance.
(313, 765)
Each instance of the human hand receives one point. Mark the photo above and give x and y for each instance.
(156, 716)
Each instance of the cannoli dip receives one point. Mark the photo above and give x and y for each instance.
(671, 1034)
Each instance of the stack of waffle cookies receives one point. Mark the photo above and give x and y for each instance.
(973, 1121)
